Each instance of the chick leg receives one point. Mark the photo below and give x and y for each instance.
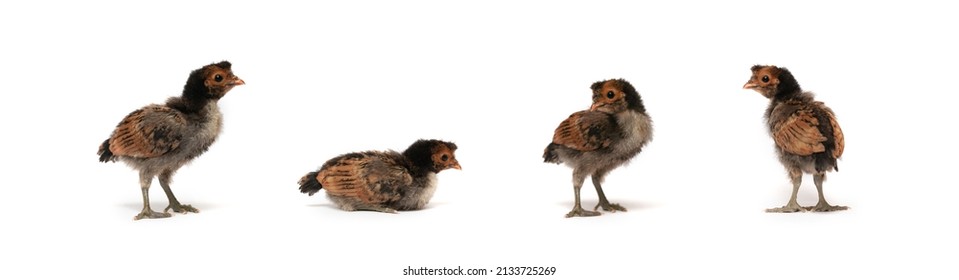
(147, 212)
(578, 211)
(823, 206)
(175, 205)
(792, 206)
(603, 202)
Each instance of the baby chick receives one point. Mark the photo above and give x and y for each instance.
(156, 140)
(594, 142)
(383, 181)
(807, 135)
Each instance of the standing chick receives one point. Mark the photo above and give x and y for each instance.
(594, 142)
(383, 181)
(158, 139)
(807, 135)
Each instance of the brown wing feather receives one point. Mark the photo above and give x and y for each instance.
(837, 135)
(368, 177)
(585, 131)
(148, 132)
(799, 134)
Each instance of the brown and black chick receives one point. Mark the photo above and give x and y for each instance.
(156, 140)
(384, 181)
(807, 135)
(596, 141)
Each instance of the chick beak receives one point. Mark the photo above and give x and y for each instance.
(750, 85)
(237, 82)
(456, 165)
(595, 106)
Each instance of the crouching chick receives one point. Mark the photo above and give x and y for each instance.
(384, 181)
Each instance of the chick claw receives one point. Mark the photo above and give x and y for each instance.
(610, 207)
(149, 214)
(826, 208)
(181, 208)
(786, 209)
(580, 212)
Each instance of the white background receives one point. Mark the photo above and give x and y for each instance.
(496, 77)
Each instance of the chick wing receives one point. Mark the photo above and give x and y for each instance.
(586, 131)
(148, 132)
(371, 177)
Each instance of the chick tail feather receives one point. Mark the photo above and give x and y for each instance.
(309, 184)
(549, 155)
(104, 152)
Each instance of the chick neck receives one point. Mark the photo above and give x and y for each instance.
(421, 162)
(196, 96)
(634, 102)
(788, 88)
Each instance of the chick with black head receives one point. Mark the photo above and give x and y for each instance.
(807, 135)
(158, 139)
(594, 142)
(383, 181)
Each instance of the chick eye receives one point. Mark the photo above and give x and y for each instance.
(445, 158)
(218, 78)
(766, 79)
(610, 94)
